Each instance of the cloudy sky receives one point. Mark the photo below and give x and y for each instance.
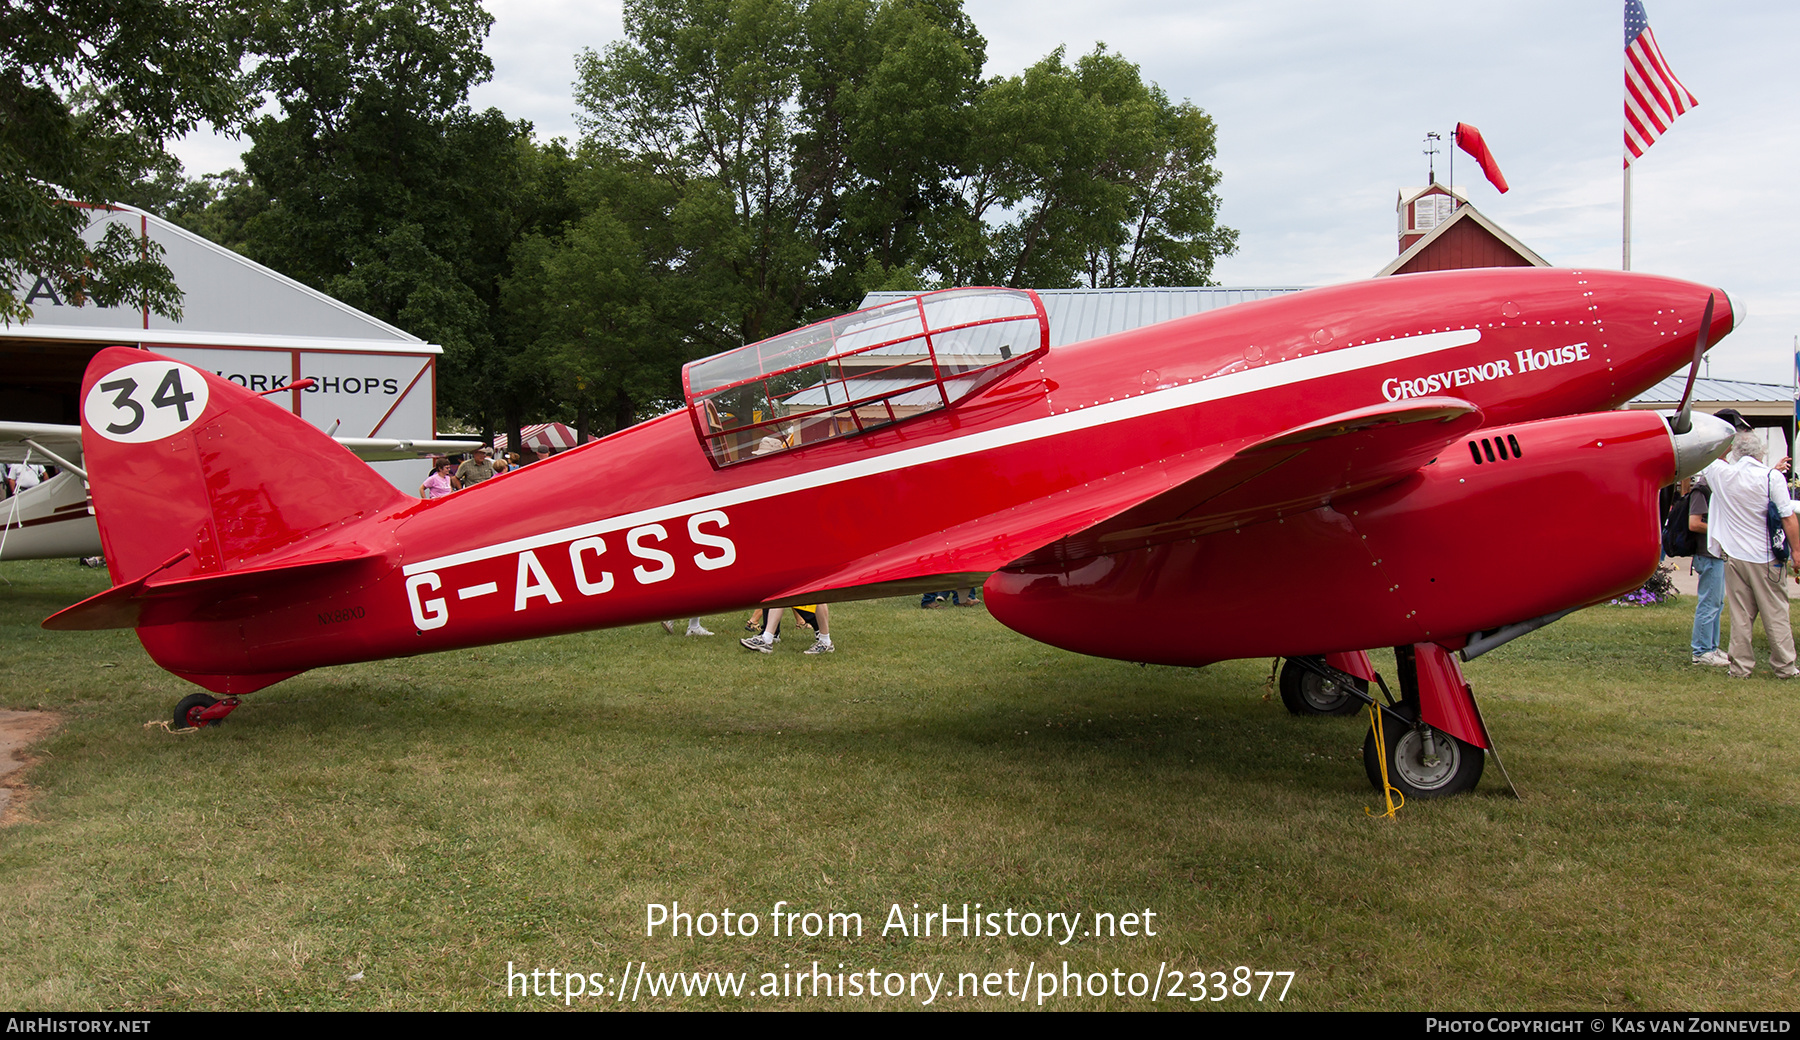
(1322, 108)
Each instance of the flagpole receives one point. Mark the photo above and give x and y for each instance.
(1627, 216)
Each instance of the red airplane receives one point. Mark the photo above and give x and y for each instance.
(1367, 465)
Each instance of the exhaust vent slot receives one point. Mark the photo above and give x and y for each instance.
(1493, 449)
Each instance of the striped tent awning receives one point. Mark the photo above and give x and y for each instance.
(556, 435)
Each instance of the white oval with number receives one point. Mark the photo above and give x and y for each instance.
(145, 402)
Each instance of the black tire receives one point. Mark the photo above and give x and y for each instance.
(1457, 767)
(192, 705)
(1306, 692)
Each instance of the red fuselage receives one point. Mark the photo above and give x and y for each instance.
(642, 526)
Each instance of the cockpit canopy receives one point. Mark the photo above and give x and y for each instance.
(860, 371)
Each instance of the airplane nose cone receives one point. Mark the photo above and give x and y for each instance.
(1706, 441)
(1738, 311)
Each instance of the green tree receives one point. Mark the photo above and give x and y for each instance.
(858, 146)
(807, 144)
(377, 184)
(89, 92)
(701, 95)
(1085, 175)
(580, 303)
(891, 90)
(755, 164)
(1169, 234)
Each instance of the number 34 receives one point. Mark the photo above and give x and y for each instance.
(116, 408)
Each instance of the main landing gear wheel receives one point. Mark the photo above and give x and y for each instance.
(1422, 762)
(1306, 692)
(187, 713)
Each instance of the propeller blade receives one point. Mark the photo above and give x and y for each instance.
(1684, 418)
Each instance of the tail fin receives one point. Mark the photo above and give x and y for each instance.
(179, 459)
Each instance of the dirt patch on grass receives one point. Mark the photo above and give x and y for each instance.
(18, 731)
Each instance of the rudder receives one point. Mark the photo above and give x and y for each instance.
(180, 459)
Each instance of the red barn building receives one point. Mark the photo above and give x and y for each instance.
(1440, 231)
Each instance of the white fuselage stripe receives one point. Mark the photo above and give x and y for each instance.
(1266, 377)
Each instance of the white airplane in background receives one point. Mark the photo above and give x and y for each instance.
(55, 520)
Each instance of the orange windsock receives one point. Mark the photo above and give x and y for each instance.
(1469, 140)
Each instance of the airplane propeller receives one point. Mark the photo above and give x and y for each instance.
(1684, 418)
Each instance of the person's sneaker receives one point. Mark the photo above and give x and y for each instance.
(695, 628)
(820, 646)
(669, 627)
(758, 644)
(1716, 658)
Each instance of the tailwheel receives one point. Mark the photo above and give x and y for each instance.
(187, 712)
(1422, 762)
(1306, 692)
(197, 710)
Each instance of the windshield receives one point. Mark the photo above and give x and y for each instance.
(860, 371)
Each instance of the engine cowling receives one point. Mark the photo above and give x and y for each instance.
(1510, 523)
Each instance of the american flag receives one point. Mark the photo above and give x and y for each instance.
(1653, 96)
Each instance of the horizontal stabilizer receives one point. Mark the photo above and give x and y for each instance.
(122, 605)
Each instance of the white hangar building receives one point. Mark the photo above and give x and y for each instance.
(242, 320)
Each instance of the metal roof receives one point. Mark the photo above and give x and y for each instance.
(1083, 314)
(229, 300)
(1722, 391)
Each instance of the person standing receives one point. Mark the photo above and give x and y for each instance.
(1710, 570)
(439, 483)
(765, 643)
(1743, 490)
(475, 469)
(23, 476)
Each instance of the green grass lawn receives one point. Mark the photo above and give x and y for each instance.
(425, 822)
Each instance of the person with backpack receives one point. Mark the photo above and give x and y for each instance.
(1709, 568)
(1750, 508)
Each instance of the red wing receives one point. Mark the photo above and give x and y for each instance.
(1294, 471)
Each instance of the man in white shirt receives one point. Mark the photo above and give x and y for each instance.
(22, 476)
(1742, 490)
